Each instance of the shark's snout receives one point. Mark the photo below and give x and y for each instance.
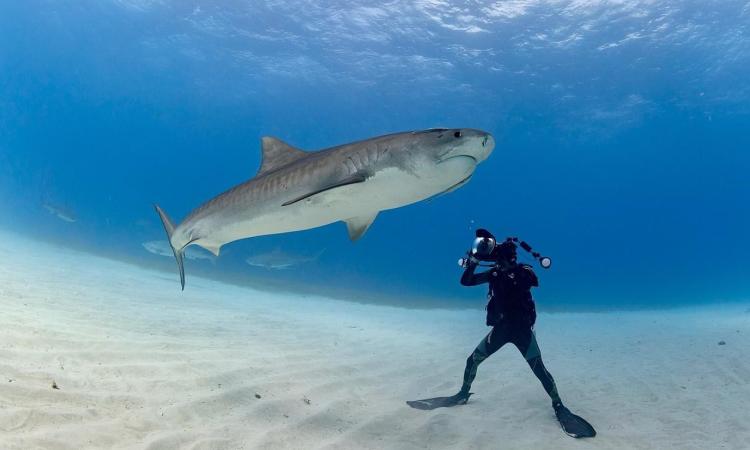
(475, 144)
(487, 144)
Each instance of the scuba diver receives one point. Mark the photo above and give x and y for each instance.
(512, 314)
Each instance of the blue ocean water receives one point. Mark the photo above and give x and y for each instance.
(622, 134)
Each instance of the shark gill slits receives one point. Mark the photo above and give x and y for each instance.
(355, 166)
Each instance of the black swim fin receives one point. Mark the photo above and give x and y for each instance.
(572, 424)
(440, 402)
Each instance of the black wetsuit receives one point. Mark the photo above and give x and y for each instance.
(511, 313)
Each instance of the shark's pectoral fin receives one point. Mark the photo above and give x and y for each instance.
(357, 226)
(354, 179)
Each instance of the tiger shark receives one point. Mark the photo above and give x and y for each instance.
(297, 190)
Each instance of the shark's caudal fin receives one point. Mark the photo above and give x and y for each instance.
(178, 253)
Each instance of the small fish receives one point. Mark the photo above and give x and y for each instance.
(279, 260)
(60, 212)
(162, 248)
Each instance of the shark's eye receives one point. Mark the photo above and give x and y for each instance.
(457, 134)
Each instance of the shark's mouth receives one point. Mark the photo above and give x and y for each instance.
(447, 158)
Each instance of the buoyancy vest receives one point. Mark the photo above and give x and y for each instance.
(509, 296)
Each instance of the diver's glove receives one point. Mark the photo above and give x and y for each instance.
(470, 261)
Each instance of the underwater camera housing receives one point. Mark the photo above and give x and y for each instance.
(486, 249)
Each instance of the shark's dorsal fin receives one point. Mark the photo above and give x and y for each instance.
(276, 153)
(357, 226)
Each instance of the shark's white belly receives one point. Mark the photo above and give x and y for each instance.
(387, 189)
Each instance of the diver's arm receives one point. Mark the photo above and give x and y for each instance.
(469, 278)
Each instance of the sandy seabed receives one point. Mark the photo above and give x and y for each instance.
(139, 364)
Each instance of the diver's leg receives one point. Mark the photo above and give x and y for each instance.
(525, 340)
(489, 345)
(571, 424)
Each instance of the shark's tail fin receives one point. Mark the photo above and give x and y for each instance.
(178, 253)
